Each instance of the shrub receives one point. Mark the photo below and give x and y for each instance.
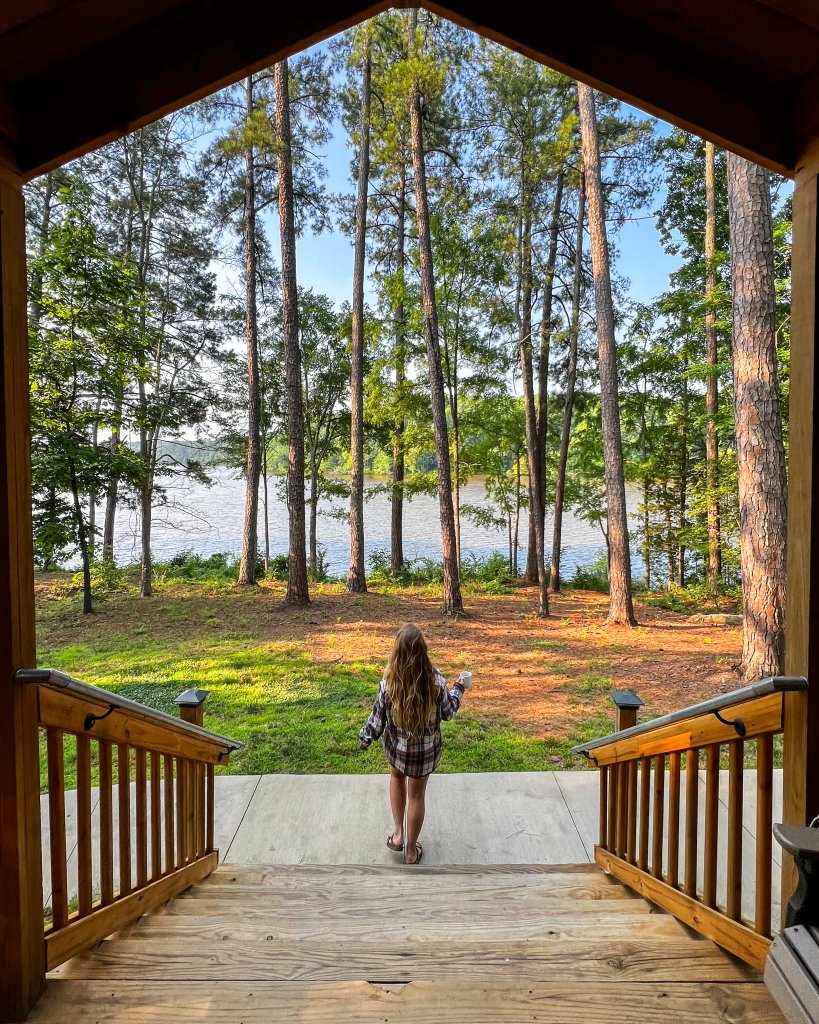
(594, 576)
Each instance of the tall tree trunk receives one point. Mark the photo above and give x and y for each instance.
(516, 540)
(112, 491)
(646, 538)
(711, 394)
(250, 532)
(398, 469)
(546, 343)
(621, 605)
(297, 589)
(266, 510)
(44, 230)
(82, 536)
(313, 557)
(146, 493)
(571, 381)
(527, 376)
(356, 574)
(452, 600)
(758, 424)
(683, 491)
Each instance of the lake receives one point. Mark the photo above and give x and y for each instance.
(209, 520)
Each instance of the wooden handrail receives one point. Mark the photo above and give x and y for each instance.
(644, 771)
(162, 840)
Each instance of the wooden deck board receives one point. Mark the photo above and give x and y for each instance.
(646, 962)
(422, 1002)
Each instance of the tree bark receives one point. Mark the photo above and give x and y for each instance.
(250, 540)
(761, 477)
(571, 381)
(711, 394)
(112, 492)
(82, 537)
(297, 588)
(398, 468)
(525, 349)
(356, 574)
(621, 605)
(452, 600)
(545, 345)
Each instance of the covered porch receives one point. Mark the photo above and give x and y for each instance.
(746, 77)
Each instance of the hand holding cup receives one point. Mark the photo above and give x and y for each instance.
(465, 679)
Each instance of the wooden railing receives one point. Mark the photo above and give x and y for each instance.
(144, 833)
(679, 860)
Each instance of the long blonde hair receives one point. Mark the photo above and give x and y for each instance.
(412, 682)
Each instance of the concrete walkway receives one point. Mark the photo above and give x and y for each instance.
(480, 818)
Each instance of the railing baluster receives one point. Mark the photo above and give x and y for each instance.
(692, 782)
(764, 825)
(141, 818)
(199, 807)
(673, 878)
(736, 749)
(84, 872)
(168, 792)
(709, 889)
(603, 817)
(106, 823)
(156, 818)
(611, 840)
(180, 811)
(659, 811)
(211, 808)
(631, 827)
(645, 805)
(190, 816)
(622, 808)
(56, 824)
(124, 801)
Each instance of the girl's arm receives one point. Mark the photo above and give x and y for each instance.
(450, 699)
(376, 722)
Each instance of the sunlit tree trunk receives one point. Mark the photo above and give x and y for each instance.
(452, 600)
(356, 574)
(398, 468)
(711, 394)
(571, 381)
(250, 543)
(297, 589)
(621, 606)
(761, 475)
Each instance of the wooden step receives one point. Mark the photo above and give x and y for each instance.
(246, 923)
(420, 1002)
(536, 960)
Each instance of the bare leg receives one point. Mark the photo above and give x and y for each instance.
(416, 806)
(398, 802)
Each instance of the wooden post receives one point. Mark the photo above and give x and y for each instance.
(626, 706)
(22, 950)
(191, 705)
(801, 732)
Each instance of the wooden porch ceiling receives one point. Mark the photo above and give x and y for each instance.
(77, 73)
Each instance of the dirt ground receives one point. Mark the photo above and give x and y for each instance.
(545, 675)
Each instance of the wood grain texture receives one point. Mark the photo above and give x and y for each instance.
(135, 959)
(56, 818)
(84, 879)
(67, 711)
(21, 905)
(735, 798)
(711, 835)
(673, 874)
(124, 806)
(692, 786)
(645, 812)
(657, 824)
(731, 935)
(760, 715)
(422, 1002)
(140, 775)
(106, 812)
(764, 837)
(156, 817)
(84, 932)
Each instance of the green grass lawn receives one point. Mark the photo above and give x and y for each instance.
(292, 713)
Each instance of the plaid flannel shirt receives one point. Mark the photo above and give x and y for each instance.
(415, 756)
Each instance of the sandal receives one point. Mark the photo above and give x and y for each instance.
(417, 860)
(395, 847)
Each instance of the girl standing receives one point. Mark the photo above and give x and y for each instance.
(411, 702)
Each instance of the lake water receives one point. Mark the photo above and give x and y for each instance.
(209, 520)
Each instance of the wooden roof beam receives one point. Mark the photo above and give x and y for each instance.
(701, 92)
(159, 67)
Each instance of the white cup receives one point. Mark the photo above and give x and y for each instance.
(466, 679)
